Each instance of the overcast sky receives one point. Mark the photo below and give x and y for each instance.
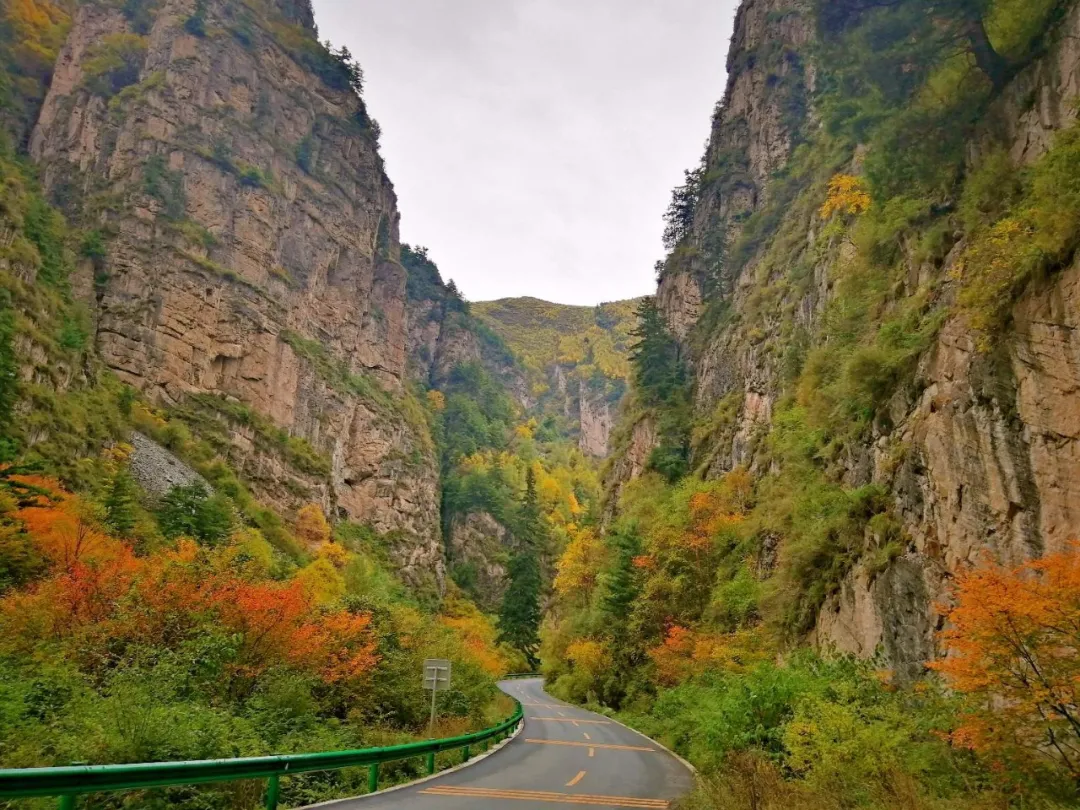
(534, 143)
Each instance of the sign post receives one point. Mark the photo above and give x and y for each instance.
(437, 679)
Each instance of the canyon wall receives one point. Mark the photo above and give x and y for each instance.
(252, 247)
(978, 451)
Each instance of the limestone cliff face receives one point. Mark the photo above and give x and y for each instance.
(480, 549)
(753, 132)
(980, 452)
(991, 448)
(252, 245)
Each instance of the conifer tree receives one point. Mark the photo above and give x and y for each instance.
(519, 617)
(120, 504)
(659, 370)
(620, 589)
(662, 382)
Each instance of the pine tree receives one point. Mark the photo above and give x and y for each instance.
(620, 587)
(659, 369)
(662, 382)
(120, 504)
(519, 617)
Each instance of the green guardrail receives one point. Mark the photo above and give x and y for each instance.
(71, 781)
(517, 675)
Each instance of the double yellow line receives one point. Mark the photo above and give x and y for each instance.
(547, 796)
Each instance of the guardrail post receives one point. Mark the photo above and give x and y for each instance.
(431, 763)
(373, 777)
(273, 790)
(67, 801)
(465, 754)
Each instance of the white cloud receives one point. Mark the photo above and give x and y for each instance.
(534, 143)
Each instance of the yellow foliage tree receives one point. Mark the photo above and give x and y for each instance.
(589, 657)
(311, 526)
(847, 195)
(322, 582)
(577, 569)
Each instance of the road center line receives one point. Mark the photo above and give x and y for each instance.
(546, 796)
(576, 779)
(592, 745)
(574, 720)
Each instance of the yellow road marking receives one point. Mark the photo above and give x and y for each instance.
(587, 737)
(592, 751)
(574, 720)
(546, 796)
(576, 779)
(558, 713)
(592, 745)
(545, 705)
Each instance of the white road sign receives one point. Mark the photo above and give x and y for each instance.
(437, 674)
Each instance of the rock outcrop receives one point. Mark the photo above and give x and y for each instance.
(252, 240)
(479, 551)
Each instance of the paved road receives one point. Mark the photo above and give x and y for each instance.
(564, 755)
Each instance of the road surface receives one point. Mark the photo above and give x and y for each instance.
(564, 755)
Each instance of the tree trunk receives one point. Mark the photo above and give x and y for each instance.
(993, 64)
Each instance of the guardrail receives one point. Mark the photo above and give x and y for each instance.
(516, 675)
(71, 781)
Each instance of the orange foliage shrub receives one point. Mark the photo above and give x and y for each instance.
(477, 636)
(102, 598)
(686, 652)
(1014, 645)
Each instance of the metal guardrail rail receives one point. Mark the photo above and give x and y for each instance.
(69, 782)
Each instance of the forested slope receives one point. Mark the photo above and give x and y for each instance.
(576, 360)
(856, 384)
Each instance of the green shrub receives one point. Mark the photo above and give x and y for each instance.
(114, 62)
(191, 511)
(1039, 232)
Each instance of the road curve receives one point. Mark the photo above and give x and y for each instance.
(564, 756)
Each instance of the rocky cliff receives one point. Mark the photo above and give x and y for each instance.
(972, 442)
(251, 248)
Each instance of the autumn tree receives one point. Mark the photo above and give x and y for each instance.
(312, 528)
(578, 568)
(1013, 639)
(847, 195)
